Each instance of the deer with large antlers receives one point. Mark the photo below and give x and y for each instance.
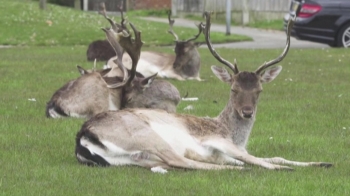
(184, 65)
(113, 89)
(101, 50)
(159, 140)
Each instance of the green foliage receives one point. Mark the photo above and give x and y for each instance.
(303, 115)
(23, 23)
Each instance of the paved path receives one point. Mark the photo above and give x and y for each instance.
(262, 38)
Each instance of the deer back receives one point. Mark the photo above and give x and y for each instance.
(100, 50)
(89, 95)
(144, 93)
(83, 97)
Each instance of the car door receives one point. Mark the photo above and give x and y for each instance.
(345, 5)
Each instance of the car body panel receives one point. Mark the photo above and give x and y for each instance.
(324, 26)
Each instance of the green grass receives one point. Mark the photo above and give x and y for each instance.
(156, 13)
(22, 23)
(303, 115)
(268, 24)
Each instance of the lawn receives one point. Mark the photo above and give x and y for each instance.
(303, 115)
(22, 23)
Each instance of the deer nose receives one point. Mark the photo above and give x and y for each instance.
(247, 112)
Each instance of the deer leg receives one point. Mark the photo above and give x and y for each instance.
(195, 78)
(170, 74)
(159, 161)
(215, 158)
(227, 147)
(174, 160)
(282, 161)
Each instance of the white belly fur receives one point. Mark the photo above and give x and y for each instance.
(179, 139)
(146, 68)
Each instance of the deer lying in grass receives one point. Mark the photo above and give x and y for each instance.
(159, 140)
(95, 92)
(184, 65)
(101, 50)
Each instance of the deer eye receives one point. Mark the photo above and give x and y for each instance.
(234, 90)
(129, 99)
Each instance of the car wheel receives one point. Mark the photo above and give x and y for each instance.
(343, 39)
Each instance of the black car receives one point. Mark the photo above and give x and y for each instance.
(323, 21)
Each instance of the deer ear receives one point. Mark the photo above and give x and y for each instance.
(146, 82)
(222, 74)
(81, 70)
(270, 74)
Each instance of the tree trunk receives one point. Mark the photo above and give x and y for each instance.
(77, 4)
(42, 4)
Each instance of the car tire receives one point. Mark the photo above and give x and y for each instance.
(343, 39)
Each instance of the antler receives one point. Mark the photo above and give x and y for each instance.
(116, 27)
(171, 23)
(133, 48)
(123, 22)
(112, 38)
(285, 51)
(199, 32)
(206, 31)
(102, 11)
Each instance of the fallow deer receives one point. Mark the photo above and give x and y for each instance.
(184, 65)
(101, 50)
(95, 92)
(159, 140)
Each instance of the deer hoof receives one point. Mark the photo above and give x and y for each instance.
(326, 165)
(285, 168)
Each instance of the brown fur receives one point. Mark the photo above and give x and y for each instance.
(203, 126)
(100, 50)
(89, 94)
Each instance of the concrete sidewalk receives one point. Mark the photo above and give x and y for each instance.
(262, 38)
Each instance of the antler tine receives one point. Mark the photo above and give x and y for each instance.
(102, 11)
(113, 38)
(94, 68)
(199, 32)
(171, 23)
(285, 51)
(123, 22)
(133, 48)
(206, 31)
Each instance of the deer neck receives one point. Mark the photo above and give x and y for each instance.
(240, 128)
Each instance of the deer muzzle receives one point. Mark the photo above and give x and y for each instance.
(247, 112)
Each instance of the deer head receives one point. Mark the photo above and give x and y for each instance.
(187, 60)
(245, 86)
